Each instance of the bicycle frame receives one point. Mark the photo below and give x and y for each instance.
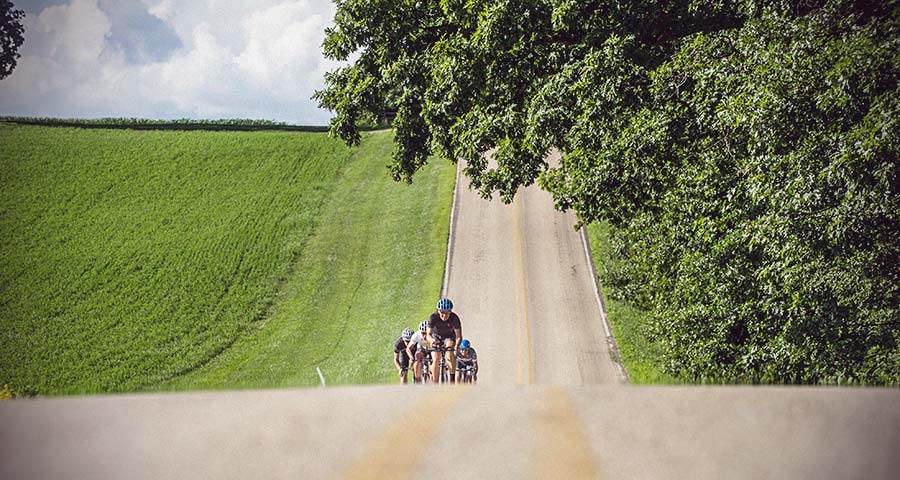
(468, 374)
(443, 369)
(426, 367)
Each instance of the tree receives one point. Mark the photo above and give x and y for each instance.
(11, 37)
(745, 154)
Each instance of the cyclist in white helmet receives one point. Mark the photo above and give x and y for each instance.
(415, 349)
(401, 360)
(444, 326)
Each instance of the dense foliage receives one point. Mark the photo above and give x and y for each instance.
(744, 154)
(11, 37)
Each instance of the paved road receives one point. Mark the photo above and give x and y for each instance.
(550, 403)
(523, 287)
(459, 432)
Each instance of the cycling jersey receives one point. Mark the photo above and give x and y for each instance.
(418, 341)
(400, 347)
(469, 358)
(444, 329)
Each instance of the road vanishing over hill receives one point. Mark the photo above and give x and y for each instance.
(551, 402)
(523, 286)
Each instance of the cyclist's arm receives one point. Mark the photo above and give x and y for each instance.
(397, 360)
(459, 337)
(437, 341)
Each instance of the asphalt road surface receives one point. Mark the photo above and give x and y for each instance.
(522, 284)
(551, 401)
(459, 432)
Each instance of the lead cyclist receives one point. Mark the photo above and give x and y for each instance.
(445, 324)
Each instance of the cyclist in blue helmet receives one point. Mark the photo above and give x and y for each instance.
(444, 326)
(467, 360)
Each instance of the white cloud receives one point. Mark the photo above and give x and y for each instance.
(284, 43)
(77, 31)
(236, 59)
(163, 10)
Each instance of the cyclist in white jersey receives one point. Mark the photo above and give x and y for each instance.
(416, 348)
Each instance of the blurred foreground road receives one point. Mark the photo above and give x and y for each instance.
(443, 432)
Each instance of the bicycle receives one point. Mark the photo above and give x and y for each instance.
(468, 374)
(443, 368)
(426, 367)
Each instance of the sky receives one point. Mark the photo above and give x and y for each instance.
(171, 59)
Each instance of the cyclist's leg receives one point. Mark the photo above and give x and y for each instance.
(417, 366)
(435, 366)
(404, 367)
(451, 355)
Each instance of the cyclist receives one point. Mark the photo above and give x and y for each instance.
(444, 324)
(415, 350)
(467, 358)
(401, 360)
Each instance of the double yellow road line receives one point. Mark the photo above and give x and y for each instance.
(526, 370)
(551, 427)
(562, 449)
(393, 454)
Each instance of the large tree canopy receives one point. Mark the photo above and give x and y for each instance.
(11, 37)
(744, 153)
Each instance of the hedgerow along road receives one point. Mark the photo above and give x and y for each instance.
(551, 401)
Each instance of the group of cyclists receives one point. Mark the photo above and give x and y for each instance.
(440, 334)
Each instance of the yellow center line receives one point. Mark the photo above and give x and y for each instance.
(562, 449)
(521, 300)
(389, 455)
(515, 236)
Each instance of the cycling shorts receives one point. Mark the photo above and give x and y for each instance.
(461, 364)
(404, 359)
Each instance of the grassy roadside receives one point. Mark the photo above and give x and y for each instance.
(630, 324)
(139, 260)
(373, 266)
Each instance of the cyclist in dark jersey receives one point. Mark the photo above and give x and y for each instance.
(444, 325)
(467, 359)
(401, 359)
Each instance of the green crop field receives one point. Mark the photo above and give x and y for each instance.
(143, 260)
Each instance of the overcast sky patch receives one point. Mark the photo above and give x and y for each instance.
(142, 37)
(171, 59)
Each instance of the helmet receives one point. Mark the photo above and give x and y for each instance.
(464, 345)
(407, 334)
(444, 304)
(423, 327)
